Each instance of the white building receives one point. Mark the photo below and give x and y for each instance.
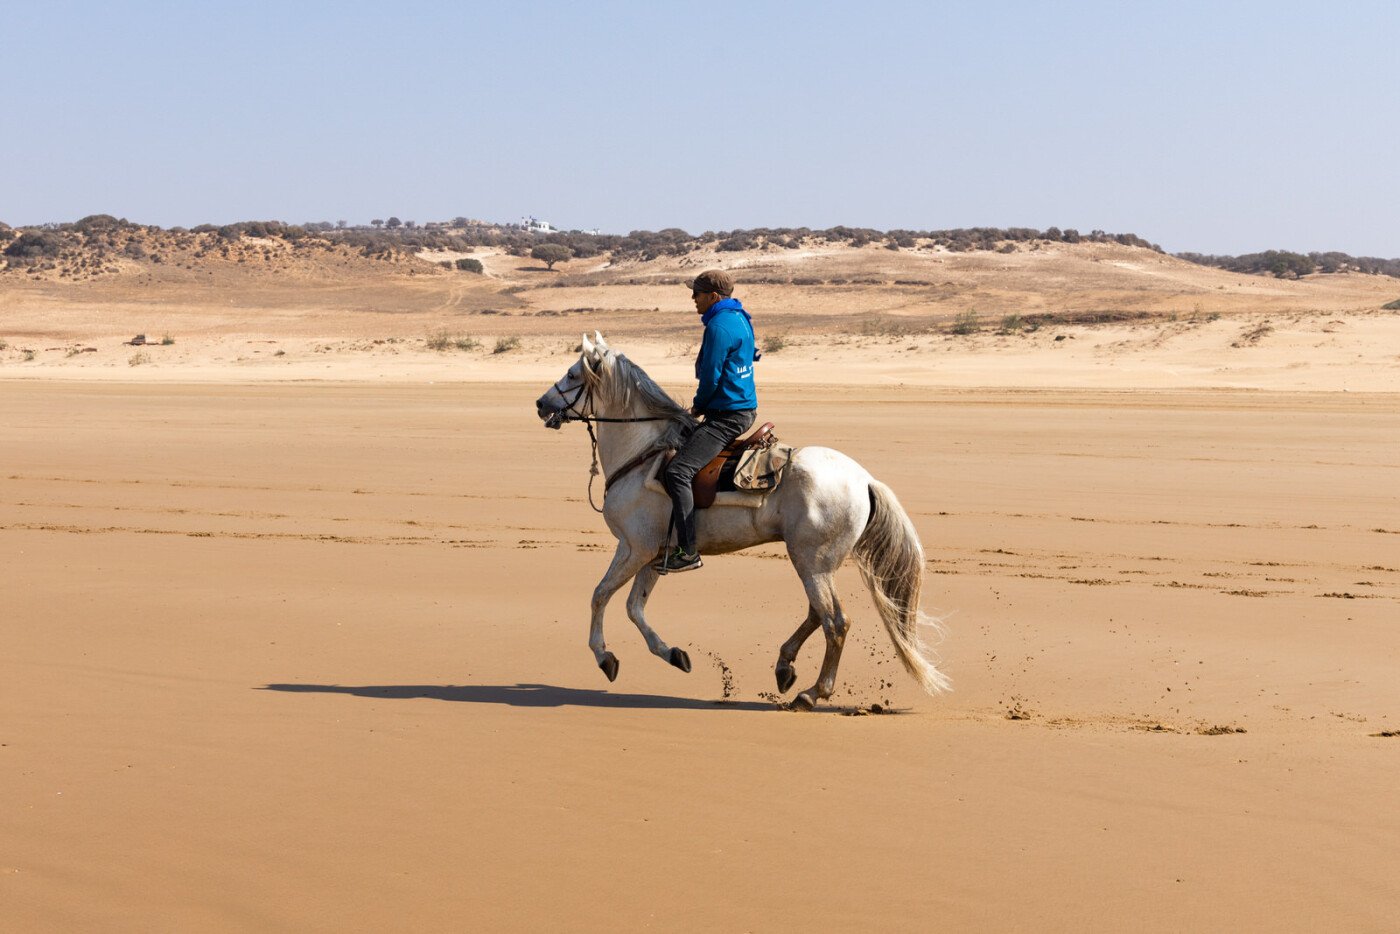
(533, 224)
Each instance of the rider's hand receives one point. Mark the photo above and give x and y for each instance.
(696, 411)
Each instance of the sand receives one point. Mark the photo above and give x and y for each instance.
(311, 656)
(295, 606)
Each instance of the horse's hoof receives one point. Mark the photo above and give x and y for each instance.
(609, 666)
(786, 675)
(680, 659)
(804, 701)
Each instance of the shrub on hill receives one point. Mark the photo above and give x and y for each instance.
(551, 253)
(95, 223)
(1278, 263)
(471, 265)
(966, 323)
(33, 246)
(446, 340)
(1285, 264)
(1290, 265)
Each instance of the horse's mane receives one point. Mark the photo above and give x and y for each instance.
(628, 381)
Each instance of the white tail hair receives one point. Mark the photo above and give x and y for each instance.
(891, 561)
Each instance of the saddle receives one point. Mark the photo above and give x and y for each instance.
(719, 473)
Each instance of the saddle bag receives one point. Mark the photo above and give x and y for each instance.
(761, 468)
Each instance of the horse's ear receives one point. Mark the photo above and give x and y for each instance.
(605, 353)
(587, 347)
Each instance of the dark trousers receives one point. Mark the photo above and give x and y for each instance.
(704, 443)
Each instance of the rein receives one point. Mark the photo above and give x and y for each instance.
(568, 414)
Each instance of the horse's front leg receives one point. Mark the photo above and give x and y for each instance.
(625, 564)
(642, 587)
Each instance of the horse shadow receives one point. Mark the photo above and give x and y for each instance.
(522, 695)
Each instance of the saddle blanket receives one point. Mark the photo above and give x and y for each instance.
(746, 479)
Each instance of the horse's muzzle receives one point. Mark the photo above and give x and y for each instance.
(551, 416)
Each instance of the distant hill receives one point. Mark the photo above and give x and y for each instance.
(934, 272)
(101, 244)
(104, 274)
(104, 246)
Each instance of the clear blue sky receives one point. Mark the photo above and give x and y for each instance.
(1213, 126)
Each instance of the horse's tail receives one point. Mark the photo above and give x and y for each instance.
(891, 560)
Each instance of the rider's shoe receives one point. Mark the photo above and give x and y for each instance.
(677, 560)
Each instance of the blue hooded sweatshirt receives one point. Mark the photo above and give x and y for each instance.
(724, 365)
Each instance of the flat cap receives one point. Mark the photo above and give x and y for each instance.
(713, 280)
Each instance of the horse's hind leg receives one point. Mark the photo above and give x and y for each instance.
(821, 592)
(784, 671)
(642, 587)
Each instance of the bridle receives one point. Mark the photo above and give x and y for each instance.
(572, 413)
(557, 419)
(569, 413)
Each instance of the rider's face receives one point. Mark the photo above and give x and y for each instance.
(703, 300)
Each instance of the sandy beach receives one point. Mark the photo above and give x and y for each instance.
(312, 656)
(297, 609)
(301, 624)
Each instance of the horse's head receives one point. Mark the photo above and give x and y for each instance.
(572, 394)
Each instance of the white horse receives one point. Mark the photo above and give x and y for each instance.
(826, 508)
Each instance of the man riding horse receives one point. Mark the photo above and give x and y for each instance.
(726, 400)
(828, 507)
